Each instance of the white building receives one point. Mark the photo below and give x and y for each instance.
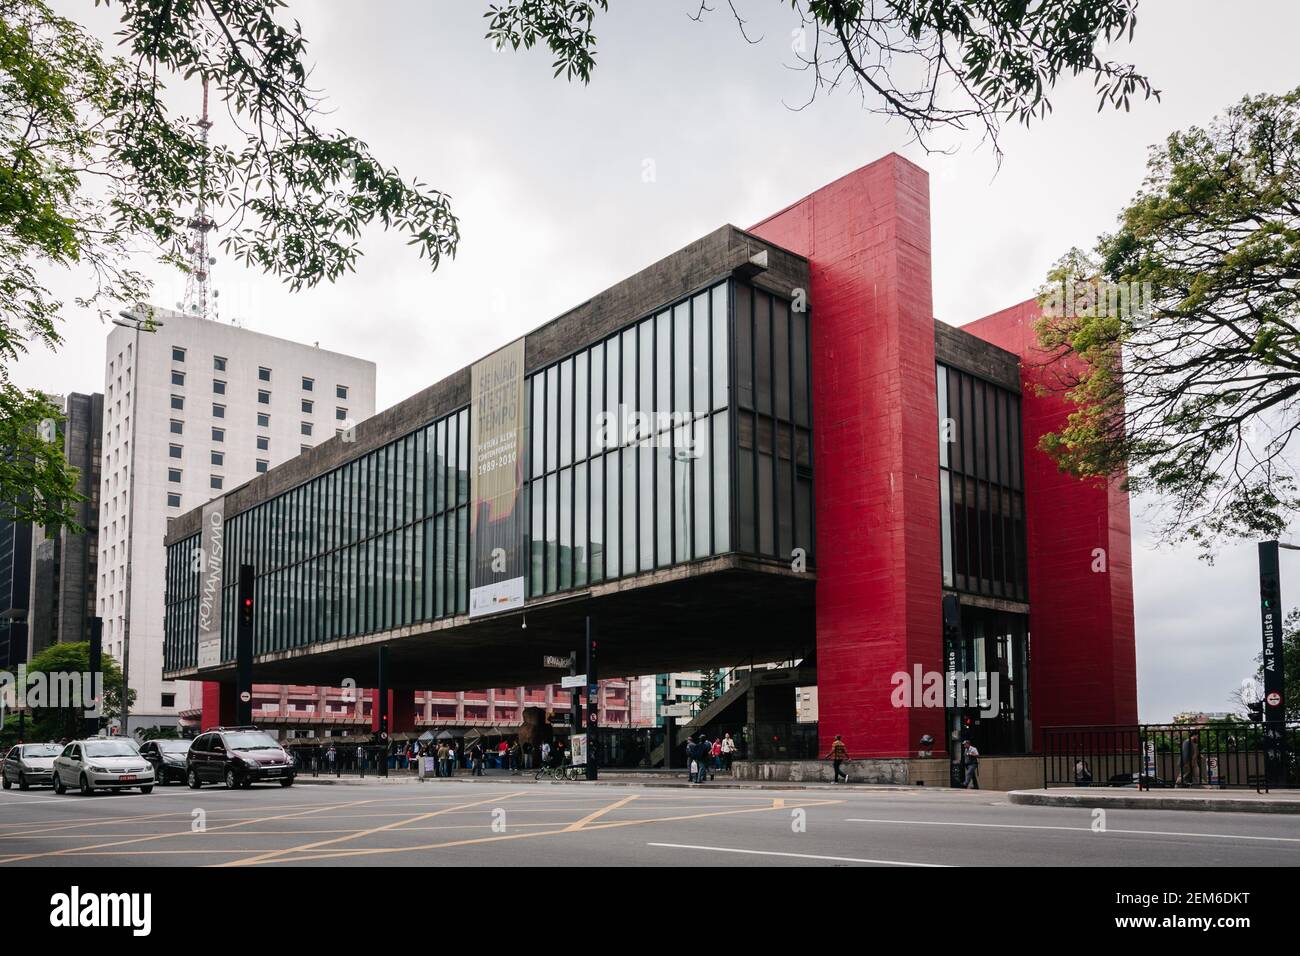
(216, 405)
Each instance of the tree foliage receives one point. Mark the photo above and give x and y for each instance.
(94, 168)
(67, 722)
(934, 64)
(1195, 397)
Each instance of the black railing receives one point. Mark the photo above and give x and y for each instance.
(1215, 754)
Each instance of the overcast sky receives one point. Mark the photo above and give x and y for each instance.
(547, 180)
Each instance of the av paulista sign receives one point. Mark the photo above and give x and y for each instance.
(207, 565)
(496, 481)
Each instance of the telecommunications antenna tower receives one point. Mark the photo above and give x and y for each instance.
(197, 283)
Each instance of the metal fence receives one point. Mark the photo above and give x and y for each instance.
(1152, 756)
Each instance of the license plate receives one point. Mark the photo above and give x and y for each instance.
(126, 776)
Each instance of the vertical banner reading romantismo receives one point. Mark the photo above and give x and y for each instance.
(207, 565)
(496, 481)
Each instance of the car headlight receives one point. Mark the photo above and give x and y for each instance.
(91, 767)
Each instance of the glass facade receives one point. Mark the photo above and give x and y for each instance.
(774, 476)
(629, 466)
(629, 463)
(981, 487)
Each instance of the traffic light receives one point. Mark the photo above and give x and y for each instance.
(247, 580)
(1255, 709)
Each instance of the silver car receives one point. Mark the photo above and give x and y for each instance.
(102, 763)
(30, 765)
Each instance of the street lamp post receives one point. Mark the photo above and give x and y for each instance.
(139, 323)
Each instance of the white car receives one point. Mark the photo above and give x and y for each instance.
(30, 765)
(102, 763)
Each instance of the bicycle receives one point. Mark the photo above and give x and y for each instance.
(562, 772)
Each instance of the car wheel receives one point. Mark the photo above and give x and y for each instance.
(22, 783)
(86, 788)
(287, 782)
(147, 789)
(232, 782)
(6, 784)
(192, 778)
(58, 784)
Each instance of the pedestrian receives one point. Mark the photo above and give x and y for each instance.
(476, 759)
(839, 754)
(1082, 773)
(451, 759)
(503, 755)
(699, 754)
(546, 754)
(443, 756)
(514, 758)
(1190, 770)
(970, 758)
(330, 757)
(728, 750)
(716, 751)
(361, 758)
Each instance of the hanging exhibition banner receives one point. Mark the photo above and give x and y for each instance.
(496, 481)
(207, 564)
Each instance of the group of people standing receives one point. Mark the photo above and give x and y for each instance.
(705, 757)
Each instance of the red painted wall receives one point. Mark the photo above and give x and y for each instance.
(876, 459)
(1083, 663)
(401, 711)
(218, 705)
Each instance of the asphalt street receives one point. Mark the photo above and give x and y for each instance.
(450, 823)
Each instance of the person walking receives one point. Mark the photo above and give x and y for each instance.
(442, 760)
(546, 754)
(839, 754)
(513, 756)
(970, 758)
(330, 756)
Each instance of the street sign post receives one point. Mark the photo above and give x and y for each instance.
(1270, 609)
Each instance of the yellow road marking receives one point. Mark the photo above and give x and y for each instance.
(550, 833)
(163, 836)
(270, 856)
(600, 813)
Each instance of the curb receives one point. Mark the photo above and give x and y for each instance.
(1037, 798)
(468, 780)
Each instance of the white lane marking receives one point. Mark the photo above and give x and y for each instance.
(1026, 826)
(801, 856)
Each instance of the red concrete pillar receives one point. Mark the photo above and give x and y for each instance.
(1083, 666)
(875, 446)
(218, 705)
(401, 711)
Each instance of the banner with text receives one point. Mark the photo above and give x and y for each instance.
(496, 481)
(207, 564)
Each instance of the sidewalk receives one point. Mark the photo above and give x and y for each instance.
(669, 779)
(1224, 801)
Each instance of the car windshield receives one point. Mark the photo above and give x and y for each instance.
(109, 748)
(251, 740)
(41, 750)
(173, 746)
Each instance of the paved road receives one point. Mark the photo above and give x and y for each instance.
(489, 823)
